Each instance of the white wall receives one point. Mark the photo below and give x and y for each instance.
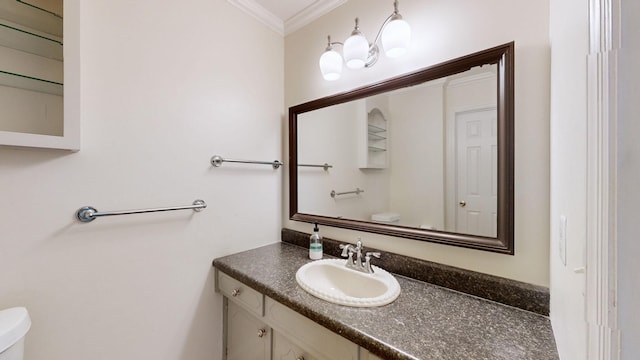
(569, 32)
(417, 188)
(342, 124)
(444, 30)
(164, 86)
(628, 179)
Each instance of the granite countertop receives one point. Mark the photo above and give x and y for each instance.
(425, 322)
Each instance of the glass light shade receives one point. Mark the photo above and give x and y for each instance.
(356, 50)
(331, 65)
(396, 38)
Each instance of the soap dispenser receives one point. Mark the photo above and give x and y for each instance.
(315, 244)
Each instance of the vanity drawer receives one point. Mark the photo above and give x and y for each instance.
(241, 294)
(316, 340)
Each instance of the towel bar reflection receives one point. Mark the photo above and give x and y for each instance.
(88, 213)
(357, 191)
(217, 160)
(325, 166)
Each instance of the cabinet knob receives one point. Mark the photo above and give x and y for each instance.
(462, 203)
(300, 357)
(262, 332)
(235, 292)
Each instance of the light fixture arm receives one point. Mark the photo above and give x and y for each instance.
(391, 17)
(374, 51)
(331, 43)
(357, 45)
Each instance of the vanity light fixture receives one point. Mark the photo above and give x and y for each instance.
(358, 53)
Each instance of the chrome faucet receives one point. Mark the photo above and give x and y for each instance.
(348, 250)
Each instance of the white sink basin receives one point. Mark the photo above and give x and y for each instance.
(331, 280)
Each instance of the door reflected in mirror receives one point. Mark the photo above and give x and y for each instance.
(427, 155)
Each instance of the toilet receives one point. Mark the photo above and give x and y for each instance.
(14, 325)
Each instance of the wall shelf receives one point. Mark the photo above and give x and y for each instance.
(32, 76)
(373, 129)
(18, 38)
(374, 136)
(374, 149)
(35, 18)
(43, 10)
(30, 83)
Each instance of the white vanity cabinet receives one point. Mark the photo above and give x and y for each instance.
(317, 341)
(246, 336)
(284, 349)
(242, 294)
(258, 327)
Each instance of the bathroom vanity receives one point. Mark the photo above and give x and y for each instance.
(258, 327)
(269, 316)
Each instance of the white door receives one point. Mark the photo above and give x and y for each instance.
(476, 172)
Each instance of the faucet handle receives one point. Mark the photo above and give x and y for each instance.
(346, 248)
(370, 254)
(367, 261)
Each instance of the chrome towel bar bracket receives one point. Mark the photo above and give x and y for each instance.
(88, 213)
(217, 160)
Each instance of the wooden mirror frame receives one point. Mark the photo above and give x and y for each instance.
(503, 57)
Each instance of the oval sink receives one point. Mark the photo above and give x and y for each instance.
(331, 280)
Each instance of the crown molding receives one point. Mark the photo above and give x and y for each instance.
(299, 20)
(309, 14)
(260, 13)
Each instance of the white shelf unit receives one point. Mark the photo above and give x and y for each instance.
(374, 147)
(31, 74)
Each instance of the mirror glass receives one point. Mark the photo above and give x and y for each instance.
(425, 156)
(31, 67)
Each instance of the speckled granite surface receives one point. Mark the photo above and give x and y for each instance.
(510, 292)
(425, 322)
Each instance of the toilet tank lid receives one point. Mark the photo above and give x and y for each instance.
(14, 324)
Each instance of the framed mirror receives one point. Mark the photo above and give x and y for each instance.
(426, 155)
